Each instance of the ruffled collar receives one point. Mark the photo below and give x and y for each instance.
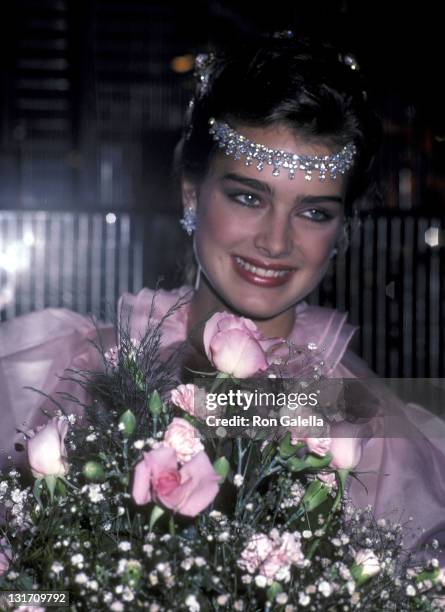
(318, 332)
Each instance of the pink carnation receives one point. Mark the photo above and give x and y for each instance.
(187, 490)
(272, 557)
(184, 397)
(182, 437)
(257, 550)
(286, 553)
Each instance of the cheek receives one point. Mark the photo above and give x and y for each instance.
(318, 244)
(217, 224)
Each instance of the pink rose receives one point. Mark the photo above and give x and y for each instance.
(188, 490)
(184, 397)
(234, 345)
(5, 556)
(182, 437)
(346, 453)
(46, 449)
(318, 446)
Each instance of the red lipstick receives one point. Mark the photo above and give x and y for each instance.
(253, 271)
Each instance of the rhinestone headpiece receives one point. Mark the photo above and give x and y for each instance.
(237, 146)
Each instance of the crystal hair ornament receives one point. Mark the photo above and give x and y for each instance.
(349, 60)
(204, 63)
(238, 146)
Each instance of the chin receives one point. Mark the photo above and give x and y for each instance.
(256, 308)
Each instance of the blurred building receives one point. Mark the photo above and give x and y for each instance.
(93, 94)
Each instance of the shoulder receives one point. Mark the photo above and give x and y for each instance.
(160, 299)
(168, 306)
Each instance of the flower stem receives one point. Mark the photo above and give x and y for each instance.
(171, 525)
(341, 479)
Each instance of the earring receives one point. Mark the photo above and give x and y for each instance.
(188, 221)
(333, 253)
(198, 278)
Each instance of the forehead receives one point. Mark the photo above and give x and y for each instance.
(282, 138)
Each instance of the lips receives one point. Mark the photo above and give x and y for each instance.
(260, 274)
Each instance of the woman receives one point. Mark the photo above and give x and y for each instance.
(278, 149)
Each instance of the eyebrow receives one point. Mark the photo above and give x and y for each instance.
(265, 188)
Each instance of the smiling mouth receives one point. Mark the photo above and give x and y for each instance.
(263, 272)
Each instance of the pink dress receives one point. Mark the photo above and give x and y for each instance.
(404, 475)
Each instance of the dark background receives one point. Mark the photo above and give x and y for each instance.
(90, 85)
(92, 99)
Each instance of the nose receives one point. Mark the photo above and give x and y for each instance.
(274, 238)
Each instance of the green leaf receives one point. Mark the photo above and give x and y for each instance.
(68, 483)
(268, 452)
(342, 476)
(25, 582)
(273, 590)
(261, 435)
(50, 482)
(313, 461)
(428, 574)
(295, 464)
(316, 493)
(60, 487)
(37, 490)
(287, 449)
(222, 467)
(156, 514)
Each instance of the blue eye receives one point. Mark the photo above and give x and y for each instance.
(321, 218)
(249, 199)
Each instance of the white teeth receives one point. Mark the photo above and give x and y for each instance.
(261, 271)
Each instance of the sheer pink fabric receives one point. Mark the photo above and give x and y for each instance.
(35, 349)
(404, 476)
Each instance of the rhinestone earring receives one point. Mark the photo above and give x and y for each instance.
(188, 221)
(333, 253)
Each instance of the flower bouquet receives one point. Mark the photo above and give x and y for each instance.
(133, 505)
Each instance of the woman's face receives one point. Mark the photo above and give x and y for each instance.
(264, 241)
